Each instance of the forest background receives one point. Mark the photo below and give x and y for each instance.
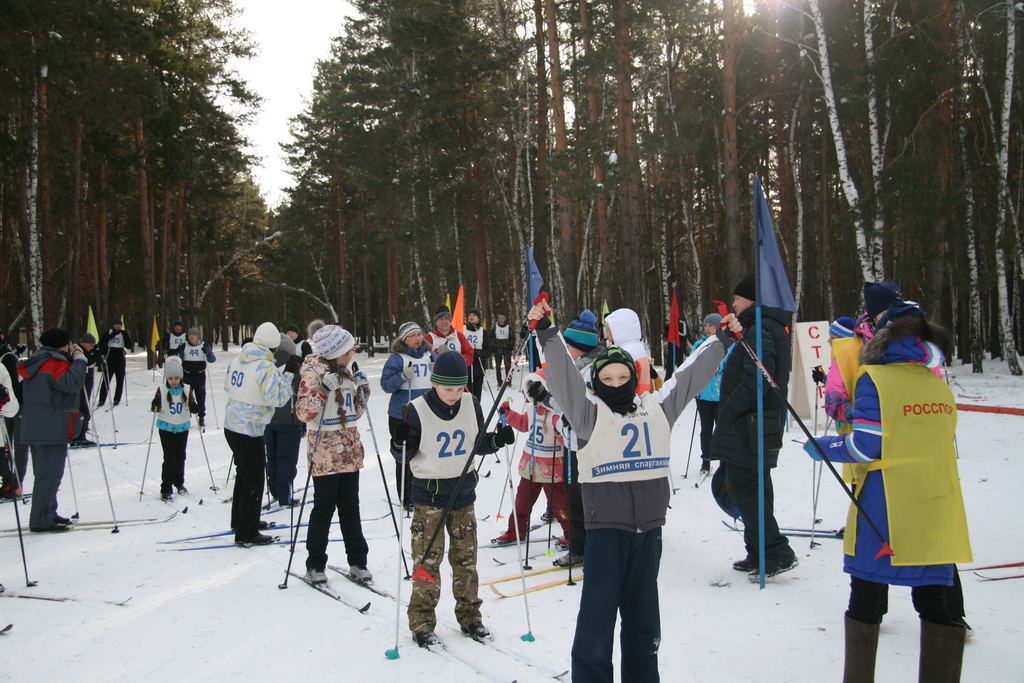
(442, 137)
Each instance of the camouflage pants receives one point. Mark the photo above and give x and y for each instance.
(461, 528)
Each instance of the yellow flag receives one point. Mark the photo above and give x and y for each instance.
(155, 339)
(448, 301)
(604, 311)
(91, 326)
(458, 317)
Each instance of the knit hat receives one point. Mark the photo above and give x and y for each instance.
(286, 345)
(172, 367)
(842, 327)
(746, 288)
(292, 328)
(442, 312)
(879, 295)
(899, 309)
(406, 329)
(450, 370)
(87, 339)
(713, 319)
(581, 333)
(476, 312)
(195, 331)
(267, 336)
(177, 323)
(55, 338)
(117, 322)
(614, 354)
(333, 341)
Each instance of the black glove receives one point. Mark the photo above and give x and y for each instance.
(155, 405)
(193, 407)
(401, 433)
(503, 410)
(293, 364)
(504, 436)
(20, 349)
(818, 375)
(5, 396)
(544, 323)
(536, 391)
(354, 367)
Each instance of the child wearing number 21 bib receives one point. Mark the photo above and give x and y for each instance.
(436, 437)
(624, 448)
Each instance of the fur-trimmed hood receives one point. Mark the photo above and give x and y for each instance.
(909, 339)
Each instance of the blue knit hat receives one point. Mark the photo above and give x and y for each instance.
(842, 327)
(879, 295)
(582, 332)
(450, 370)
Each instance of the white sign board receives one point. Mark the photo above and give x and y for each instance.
(810, 349)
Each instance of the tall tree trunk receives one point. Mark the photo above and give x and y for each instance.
(594, 116)
(875, 239)
(75, 316)
(343, 288)
(146, 237)
(100, 245)
(539, 230)
(628, 163)
(34, 243)
(870, 262)
(1006, 335)
(566, 226)
(730, 145)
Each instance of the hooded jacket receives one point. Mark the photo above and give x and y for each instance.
(247, 418)
(738, 399)
(624, 325)
(51, 394)
(392, 381)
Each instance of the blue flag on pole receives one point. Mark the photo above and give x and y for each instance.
(534, 281)
(772, 284)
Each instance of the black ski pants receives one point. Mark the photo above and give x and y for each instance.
(869, 601)
(174, 445)
(742, 485)
(250, 459)
(404, 492)
(336, 492)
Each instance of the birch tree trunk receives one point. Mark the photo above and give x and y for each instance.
(875, 239)
(1006, 335)
(730, 145)
(594, 113)
(870, 264)
(35, 256)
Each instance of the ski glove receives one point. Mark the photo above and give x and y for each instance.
(401, 433)
(409, 371)
(818, 375)
(155, 405)
(293, 364)
(5, 396)
(329, 382)
(811, 450)
(362, 382)
(193, 407)
(503, 410)
(536, 391)
(504, 436)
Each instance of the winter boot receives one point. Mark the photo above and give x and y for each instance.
(477, 632)
(506, 538)
(942, 653)
(570, 559)
(746, 565)
(771, 570)
(316, 576)
(360, 574)
(428, 640)
(562, 543)
(861, 646)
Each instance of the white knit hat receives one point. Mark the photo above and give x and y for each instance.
(333, 341)
(172, 367)
(267, 336)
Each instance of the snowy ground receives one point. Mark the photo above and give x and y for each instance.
(218, 614)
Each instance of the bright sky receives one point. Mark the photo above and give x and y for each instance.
(291, 37)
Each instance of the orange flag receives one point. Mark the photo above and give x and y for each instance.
(458, 317)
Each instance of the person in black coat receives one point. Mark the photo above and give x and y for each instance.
(735, 439)
(115, 343)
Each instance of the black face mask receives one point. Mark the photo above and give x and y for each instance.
(619, 399)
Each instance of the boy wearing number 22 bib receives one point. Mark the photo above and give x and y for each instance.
(624, 449)
(437, 437)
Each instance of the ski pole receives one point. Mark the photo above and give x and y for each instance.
(393, 652)
(145, 467)
(74, 493)
(231, 464)
(384, 480)
(885, 549)
(309, 476)
(106, 482)
(9, 452)
(202, 441)
(420, 572)
(213, 401)
(689, 453)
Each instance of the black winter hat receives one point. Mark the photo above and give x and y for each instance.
(450, 370)
(442, 312)
(292, 328)
(746, 288)
(87, 339)
(476, 312)
(878, 296)
(55, 338)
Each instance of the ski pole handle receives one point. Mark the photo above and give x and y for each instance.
(723, 311)
(543, 296)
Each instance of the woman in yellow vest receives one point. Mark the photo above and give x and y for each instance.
(902, 451)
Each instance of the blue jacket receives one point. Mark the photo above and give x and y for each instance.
(864, 444)
(392, 382)
(712, 391)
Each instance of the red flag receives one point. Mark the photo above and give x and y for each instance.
(672, 335)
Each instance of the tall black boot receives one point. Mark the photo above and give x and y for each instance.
(942, 653)
(861, 647)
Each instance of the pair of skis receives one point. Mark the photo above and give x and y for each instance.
(987, 577)
(494, 583)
